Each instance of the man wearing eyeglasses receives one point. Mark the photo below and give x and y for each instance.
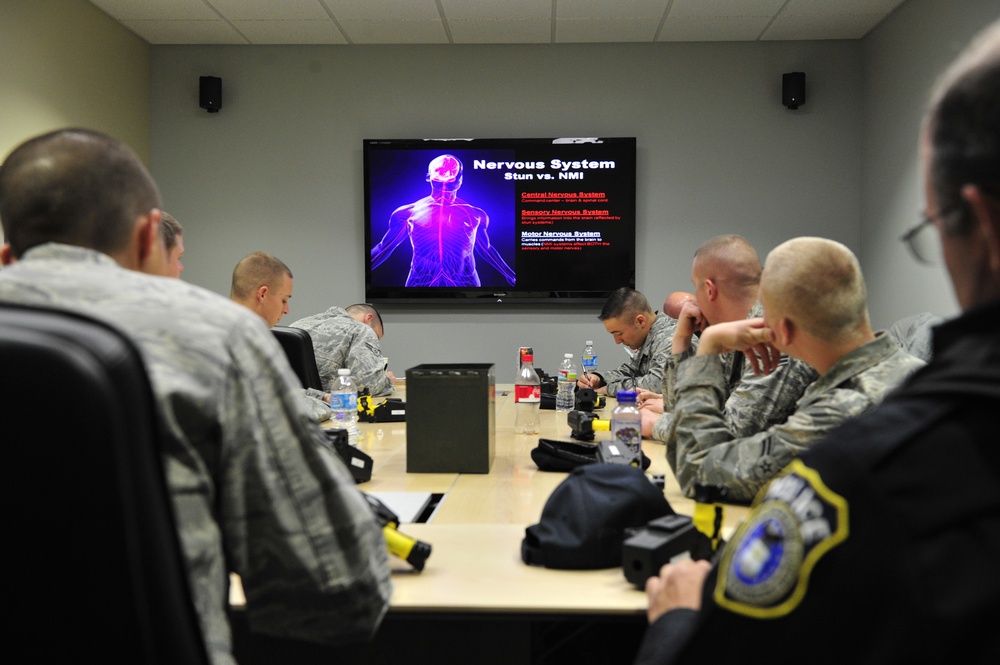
(881, 542)
(349, 337)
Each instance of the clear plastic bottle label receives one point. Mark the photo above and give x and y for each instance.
(629, 434)
(590, 361)
(344, 401)
(523, 393)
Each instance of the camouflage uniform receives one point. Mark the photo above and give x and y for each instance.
(702, 449)
(255, 486)
(753, 403)
(645, 369)
(313, 399)
(913, 334)
(340, 340)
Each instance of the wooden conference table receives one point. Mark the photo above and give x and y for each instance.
(487, 605)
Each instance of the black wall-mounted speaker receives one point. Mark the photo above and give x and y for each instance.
(793, 89)
(210, 93)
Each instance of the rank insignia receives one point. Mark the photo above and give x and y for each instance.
(765, 567)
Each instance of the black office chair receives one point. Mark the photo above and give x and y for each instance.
(94, 568)
(298, 346)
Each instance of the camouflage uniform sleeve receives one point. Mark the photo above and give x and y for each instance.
(623, 377)
(311, 555)
(319, 409)
(661, 428)
(367, 366)
(758, 402)
(313, 392)
(702, 447)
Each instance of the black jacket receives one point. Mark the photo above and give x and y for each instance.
(882, 543)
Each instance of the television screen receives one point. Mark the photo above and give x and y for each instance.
(499, 220)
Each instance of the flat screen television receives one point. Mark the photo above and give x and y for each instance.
(499, 220)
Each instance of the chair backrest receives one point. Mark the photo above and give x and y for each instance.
(94, 564)
(298, 346)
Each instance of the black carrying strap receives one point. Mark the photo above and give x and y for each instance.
(553, 455)
(736, 371)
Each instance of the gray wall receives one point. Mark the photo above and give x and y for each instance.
(65, 62)
(902, 58)
(279, 168)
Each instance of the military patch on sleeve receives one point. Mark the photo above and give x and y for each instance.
(766, 565)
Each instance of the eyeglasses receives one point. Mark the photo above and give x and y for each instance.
(923, 243)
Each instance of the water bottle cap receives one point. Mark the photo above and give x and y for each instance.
(344, 371)
(589, 342)
(567, 355)
(626, 395)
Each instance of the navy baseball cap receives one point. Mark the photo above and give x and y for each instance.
(584, 520)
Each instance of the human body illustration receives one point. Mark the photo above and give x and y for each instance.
(445, 232)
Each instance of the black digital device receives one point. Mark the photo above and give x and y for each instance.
(499, 220)
(584, 424)
(646, 550)
(614, 452)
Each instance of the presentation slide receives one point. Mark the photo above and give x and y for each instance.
(538, 216)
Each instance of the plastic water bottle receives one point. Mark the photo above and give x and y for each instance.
(527, 397)
(566, 397)
(589, 358)
(626, 423)
(344, 403)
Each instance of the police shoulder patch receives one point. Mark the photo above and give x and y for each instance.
(766, 565)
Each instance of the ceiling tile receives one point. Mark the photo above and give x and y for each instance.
(622, 9)
(157, 9)
(523, 31)
(725, 8)
(387, 10)
(498, 21)
(715, 28)
(827, 8)
(284, 32)
(247, 10)
(846, 26)
(488, 10)
(573, 31)
(394, 32)
(185, 32)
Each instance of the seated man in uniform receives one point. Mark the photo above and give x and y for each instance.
(257, 489)
(349, 338)
(726, 275)
(173, 237)
(880, 543)
(628, 317)
(815, 310)
(263, 284)
(672, 306)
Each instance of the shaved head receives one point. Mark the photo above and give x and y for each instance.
(74, 186)
(255, 270)
(726, 275)
(817, 283)
(732, 263)
(675, 302)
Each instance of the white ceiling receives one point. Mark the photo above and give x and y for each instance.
(493, 21)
